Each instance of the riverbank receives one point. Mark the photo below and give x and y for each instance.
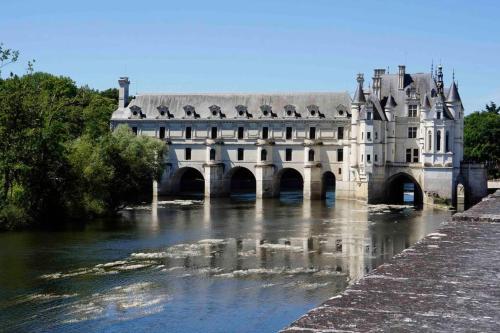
(447, 282)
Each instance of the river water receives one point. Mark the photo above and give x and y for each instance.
(225, 265)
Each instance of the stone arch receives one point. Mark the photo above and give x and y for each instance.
(288, 180)
(188, 181)
(239, 180)
(328, 185)
(395, 189)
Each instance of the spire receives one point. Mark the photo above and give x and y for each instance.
(453, 95)
(359, 95)
(439, 82)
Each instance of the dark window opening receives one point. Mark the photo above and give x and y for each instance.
(288, 154)
(212, 154)
(288, 133)
(369, 136)
(447, 141)
(311, 155)
(340, 155)
(134, 130)
(240, 154)
(162, 132)
(415, 155)
(368, 116)
(187, 154)
(188, 132)
(312, 133)
(368, 158)
(263, 155)
(340, 134)
(408, 155)
(240, 132)
(214, 133)
(265, 132)
(438, 141)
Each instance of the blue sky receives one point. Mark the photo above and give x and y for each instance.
(214, 46)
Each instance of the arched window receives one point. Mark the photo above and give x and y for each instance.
(438, 141)
(447, 141)
(263, 155)
(311, 155)
(212, 154)
(429, 141)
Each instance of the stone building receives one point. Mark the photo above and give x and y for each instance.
(405, 129)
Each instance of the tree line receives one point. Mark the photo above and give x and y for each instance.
(59, 161)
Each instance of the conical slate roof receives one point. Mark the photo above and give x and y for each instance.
(359, 95)
(426, 102)
(390, 102)
(453, 95)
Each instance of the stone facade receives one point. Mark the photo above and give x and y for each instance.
(406, 128)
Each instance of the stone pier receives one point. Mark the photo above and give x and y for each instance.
(447, 282)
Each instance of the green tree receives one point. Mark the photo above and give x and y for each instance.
(116, 170)
(481, 137)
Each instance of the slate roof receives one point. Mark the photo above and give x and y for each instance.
(328, 104)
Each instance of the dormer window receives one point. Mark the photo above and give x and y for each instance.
(266, 110)
(313, 111)
(412, 111)
(290, 111)
(164, 112)
(136, 112)
(216, 112)
(242, 112)
(189, 111)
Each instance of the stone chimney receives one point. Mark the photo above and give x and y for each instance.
(377, 82)
(401, 76)
(123, 92)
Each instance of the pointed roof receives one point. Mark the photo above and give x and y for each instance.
(426, 102)
(359, 95)
(390, 101)
(453, 95)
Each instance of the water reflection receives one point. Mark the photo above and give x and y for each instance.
(240, 264)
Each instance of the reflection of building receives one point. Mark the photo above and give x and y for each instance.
(406, 128)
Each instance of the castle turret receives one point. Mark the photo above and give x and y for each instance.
(358, 100)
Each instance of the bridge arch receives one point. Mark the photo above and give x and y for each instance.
(402, 188)
(328, 185)
(239, 180)
(288, 180)
(188, 181)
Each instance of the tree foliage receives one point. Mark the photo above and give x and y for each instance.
(58, 159)
(482, 136)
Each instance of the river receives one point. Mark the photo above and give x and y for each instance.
(219, 265)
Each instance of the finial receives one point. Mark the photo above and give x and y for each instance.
(432, 68)
(360, 78)
(453, 75)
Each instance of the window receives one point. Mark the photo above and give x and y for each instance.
(340, 155)
(447, 141)
(362, 135)
(438, 141)
(265, 132)
(429, 141)
(240, 132)
(263, 155)
(415, 155)
(134, 130)
(369, 136)
(188, 132)
(162, 132)
(376, 158)
(368, 115)
(214, 133)
(412, 132)
(438, 115)
(368, 158)
(288, 133)
(340, 133)
(212, 154)
(187, 154)
(288, 154)
(310, 155)
(340, 171)
(361, 157)
(376, 135)
(312, 133)
(240, 154)
(408, 155)
(412, 111)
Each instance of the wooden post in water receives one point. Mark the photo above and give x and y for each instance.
(460, 198)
